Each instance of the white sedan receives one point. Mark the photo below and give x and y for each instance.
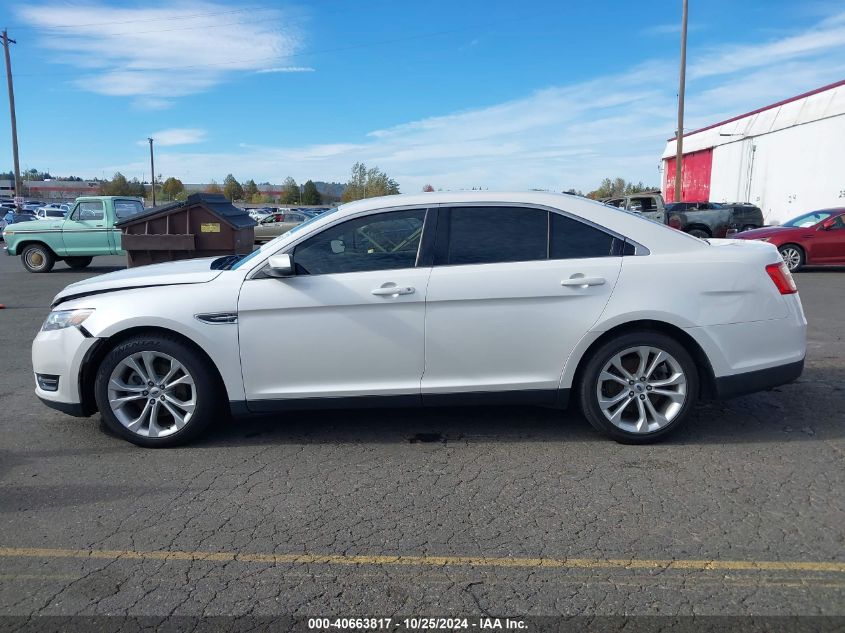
(50, 213)
(431, 299)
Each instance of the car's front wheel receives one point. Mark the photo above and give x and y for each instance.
(793, 256)
(638, 387)
(155, 391)
(37, 258)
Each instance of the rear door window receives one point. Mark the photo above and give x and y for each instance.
(487, 235)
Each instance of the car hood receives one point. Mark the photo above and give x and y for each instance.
(188, 271)
(767, 231)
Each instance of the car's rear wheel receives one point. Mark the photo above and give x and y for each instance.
(37, 258)
(793, 256)
(156, 391)
(699, 233)
(638, 387)
(78, 263)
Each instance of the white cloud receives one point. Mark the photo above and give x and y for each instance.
(828, 34)
(176, 136)
(177, 49)
(286, 69)
(556, 138)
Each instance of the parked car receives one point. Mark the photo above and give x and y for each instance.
(812, 239)
(10, 217)
(700, 219)
(259, 214)
(49, 213)
(649, 204)
(430, 299)
(87, 231)
(713, 219)
(276, 224)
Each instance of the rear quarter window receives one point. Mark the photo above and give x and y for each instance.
(572, 239)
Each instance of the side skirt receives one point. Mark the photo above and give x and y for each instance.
(556, 398)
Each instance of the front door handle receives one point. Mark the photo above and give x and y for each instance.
(582, 282)
(392, 290)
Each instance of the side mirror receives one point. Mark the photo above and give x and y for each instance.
(827, 225)
(280, 265)
(337, 246)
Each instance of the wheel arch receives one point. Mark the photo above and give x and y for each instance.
(707, 377)
(94, 357)
(698, 226)
(19, 247)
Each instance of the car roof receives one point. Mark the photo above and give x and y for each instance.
(632, 225)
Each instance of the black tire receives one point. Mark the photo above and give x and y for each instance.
(793, 256)
(78, 263)
(699, 233)
(37, 258)
(209, 395)
(589, 385)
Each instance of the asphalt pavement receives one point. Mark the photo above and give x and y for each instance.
(470, 511)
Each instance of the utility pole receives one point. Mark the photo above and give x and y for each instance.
(18, 188)
(679, 137)
(152, 172)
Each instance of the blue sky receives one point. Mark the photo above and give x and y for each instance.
(458, 94)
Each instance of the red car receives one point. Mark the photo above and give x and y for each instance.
(813, 239)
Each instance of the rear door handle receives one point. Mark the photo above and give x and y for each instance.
(393, 291)
(582, 282)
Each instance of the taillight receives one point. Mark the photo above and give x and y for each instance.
(782, 278)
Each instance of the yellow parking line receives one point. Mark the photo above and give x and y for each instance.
(429, 561)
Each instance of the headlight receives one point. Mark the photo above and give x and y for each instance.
(763, 239)
(61, 319)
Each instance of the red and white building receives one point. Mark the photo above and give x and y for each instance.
(786, 158)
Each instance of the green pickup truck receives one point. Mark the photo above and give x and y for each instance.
(87, 230)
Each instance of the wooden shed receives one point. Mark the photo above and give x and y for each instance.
(203, 225)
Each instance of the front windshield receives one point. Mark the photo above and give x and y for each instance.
(269, 244)
(808, 219)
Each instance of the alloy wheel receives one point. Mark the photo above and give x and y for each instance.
(641, 389)
(152, 394)
(791, 257)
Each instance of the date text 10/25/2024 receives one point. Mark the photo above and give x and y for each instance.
(420, 623)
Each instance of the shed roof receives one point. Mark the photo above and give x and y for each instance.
(217, 203)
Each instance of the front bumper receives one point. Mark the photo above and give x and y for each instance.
(74, 409)
(61, 353)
